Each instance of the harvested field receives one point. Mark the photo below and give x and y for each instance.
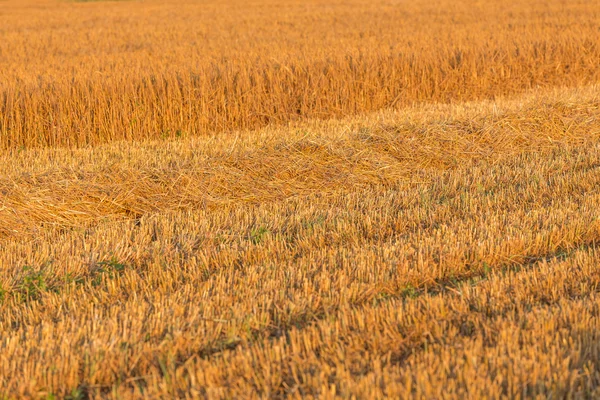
(351, 224)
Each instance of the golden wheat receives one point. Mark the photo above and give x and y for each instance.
(180, 216)
(83, 73)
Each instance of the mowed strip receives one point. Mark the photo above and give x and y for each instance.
(70, 188)
(462, 258)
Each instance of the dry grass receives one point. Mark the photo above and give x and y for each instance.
(433, 250)
(83, 73)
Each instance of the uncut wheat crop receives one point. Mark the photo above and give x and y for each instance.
(299, 199)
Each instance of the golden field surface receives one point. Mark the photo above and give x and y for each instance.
(353, 199)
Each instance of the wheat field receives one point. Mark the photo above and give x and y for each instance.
(299, 199)
(77, 73)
